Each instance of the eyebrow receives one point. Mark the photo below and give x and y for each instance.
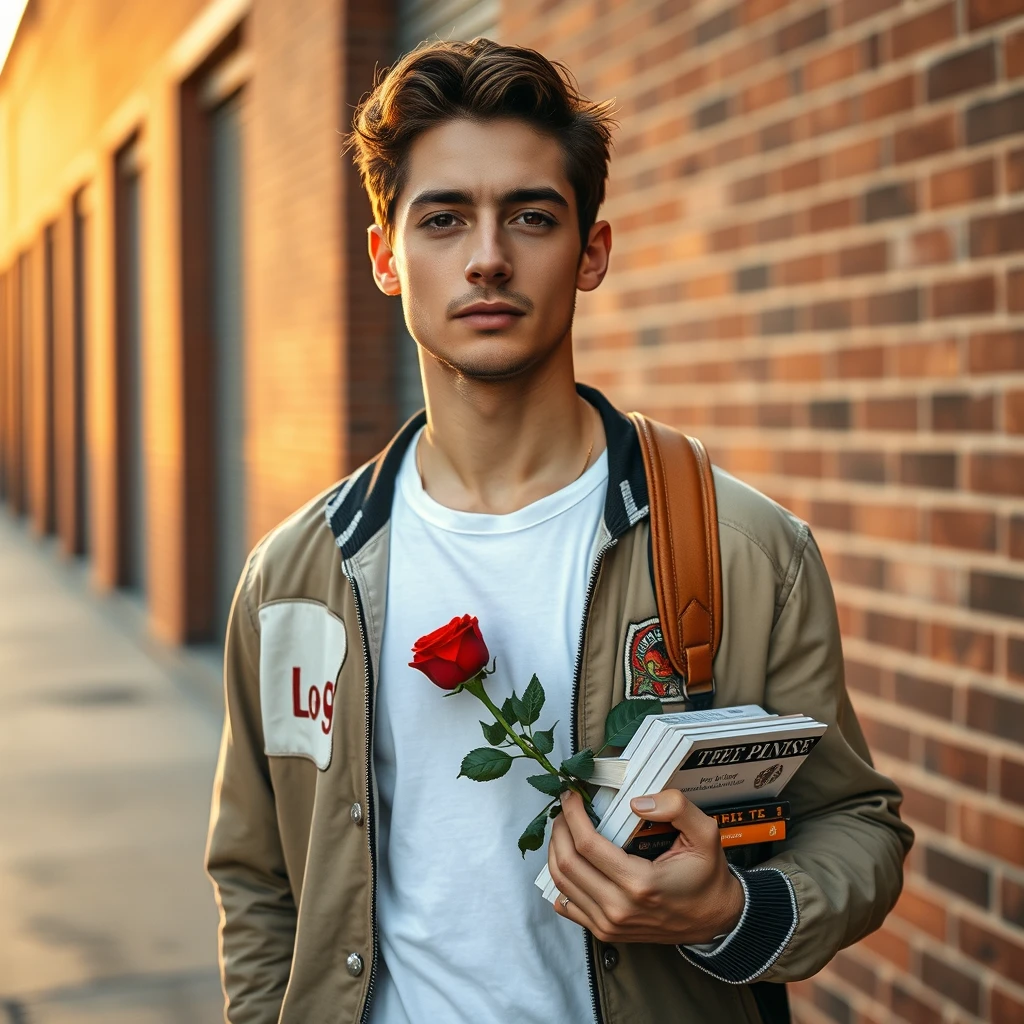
(459, 197)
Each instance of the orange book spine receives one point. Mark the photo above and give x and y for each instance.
(760, 832)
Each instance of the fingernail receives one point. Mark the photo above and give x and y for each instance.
(643, 803)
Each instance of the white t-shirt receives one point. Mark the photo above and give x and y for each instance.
(465, 936)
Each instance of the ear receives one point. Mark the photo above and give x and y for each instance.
(382, 259)
(594, 260)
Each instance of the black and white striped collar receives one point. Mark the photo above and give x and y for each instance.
(361, 504)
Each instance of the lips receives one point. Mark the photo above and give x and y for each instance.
(489, 316)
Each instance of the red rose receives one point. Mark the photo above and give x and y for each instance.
(452, 654)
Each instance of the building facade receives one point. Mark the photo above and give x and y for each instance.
(818, 268)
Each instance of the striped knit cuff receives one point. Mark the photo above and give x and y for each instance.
(767, 924)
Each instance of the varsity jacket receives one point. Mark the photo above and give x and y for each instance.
(293, 843)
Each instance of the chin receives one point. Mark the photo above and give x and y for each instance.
(494, 357)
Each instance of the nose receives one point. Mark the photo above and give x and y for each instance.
(489, 262)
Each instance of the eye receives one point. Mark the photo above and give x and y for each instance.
(535, 218)
(440, 221)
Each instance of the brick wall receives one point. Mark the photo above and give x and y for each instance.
(818, 268)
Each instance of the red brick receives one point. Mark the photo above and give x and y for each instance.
(927, 695)
(803, 269)
(861, 362)
(931, 246)
(1015, 290)
(929, 359)
(803, 174)
(995, 714)
(858, 158)
(1015, 167)
(888, 99)
(886, 737)
(891, 630)
(908, 1006)
(962, 184)
(962, 412)
(890, 413)
(830, 216)
(1004, 1008)
(961, 72)
(853, 11)
(997, 233)
(987, 12)
(964, 296)
(833, 66)
(1017, 541)
(992, 833)
(900, 307)
(890, 946)
(1013, 55)
(926, 139)
(961, 764)
(996, 352)
(958, 875)
(1013, 412)
(992, 949)
(961, 528)
(927, 808)
(959, 645)
(893, 522)
(923, 30)
(996, 473)
(925, 914)
(950, 982)
(1011, 781)
(995, 119)
(868, 258)
(803, 31)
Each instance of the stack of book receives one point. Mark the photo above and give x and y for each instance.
(731, 762)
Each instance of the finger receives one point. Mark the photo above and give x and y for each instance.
(696, 829)
(572, 912)
(609, 859)
(574, 876)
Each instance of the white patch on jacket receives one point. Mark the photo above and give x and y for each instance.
(302, 649)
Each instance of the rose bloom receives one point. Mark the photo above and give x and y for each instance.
(452, 654)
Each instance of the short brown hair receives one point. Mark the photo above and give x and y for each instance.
(442, 81)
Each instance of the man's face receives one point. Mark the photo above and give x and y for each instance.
(486, 247)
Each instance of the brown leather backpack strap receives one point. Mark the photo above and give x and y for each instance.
(685, 552)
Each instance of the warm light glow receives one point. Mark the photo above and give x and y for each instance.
(10, 18)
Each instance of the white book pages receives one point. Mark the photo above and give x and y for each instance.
(730, 763)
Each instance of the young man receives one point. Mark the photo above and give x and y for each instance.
(358, 878)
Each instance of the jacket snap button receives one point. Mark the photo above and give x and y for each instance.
(354, 964)
(356, 813)
(610, 958)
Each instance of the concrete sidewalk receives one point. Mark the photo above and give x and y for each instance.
(107, 751)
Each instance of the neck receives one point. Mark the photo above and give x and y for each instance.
(496, 446)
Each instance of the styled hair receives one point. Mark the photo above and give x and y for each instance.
(442, 81)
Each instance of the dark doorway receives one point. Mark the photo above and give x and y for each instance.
(48, 517)
(227, 330)
(80, 543)
(130, 372)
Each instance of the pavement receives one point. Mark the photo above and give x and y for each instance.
(108, 743)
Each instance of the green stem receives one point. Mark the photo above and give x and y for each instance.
(476, 687)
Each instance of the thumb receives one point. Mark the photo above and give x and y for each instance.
(671, 806)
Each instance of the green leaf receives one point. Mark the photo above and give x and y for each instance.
(493, 733)
(624, 719)
(519, 708)
(508, 710)
(484, 764)
(581, 765)
(533, 835)
(548, 784)
(545, 741)
(555, 811)
(533, 701)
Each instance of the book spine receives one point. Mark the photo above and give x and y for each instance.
(762, 832)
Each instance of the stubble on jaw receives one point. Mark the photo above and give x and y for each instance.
(516, 366)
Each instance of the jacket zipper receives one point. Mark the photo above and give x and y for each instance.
(371, 836)
(574, 745)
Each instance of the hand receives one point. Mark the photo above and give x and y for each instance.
(687, 896)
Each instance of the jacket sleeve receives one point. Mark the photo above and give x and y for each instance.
(244, 855)
(840, 869)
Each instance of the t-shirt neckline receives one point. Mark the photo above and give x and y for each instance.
(458, 521)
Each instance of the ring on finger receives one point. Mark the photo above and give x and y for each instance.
(564, 901)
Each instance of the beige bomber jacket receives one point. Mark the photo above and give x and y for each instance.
(292, 847)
